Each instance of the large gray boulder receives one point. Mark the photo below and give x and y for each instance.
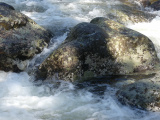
(20, 39)
(100, 48)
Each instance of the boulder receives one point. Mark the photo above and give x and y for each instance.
(130, 3)
(130, 48)
(144, 3)
(129, 13)
(143, 94)
(98, 49)
(20, 39)
(153, 1)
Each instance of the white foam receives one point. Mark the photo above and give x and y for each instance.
(39, 58)
(20, 99)
(97, 13)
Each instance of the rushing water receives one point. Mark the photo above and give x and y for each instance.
(23, 99)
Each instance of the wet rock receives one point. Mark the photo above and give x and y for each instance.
(69, 59)
(156, 5)
(130, 3)
(100, 48)
(20, 39)
(153, 1)
(145, 3)
(6, 5)
(143, 94)
(128, 47)
(127, 80)
(125, 14)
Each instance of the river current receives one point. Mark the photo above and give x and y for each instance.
(23, 99)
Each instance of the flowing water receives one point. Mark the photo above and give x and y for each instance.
(23, 99)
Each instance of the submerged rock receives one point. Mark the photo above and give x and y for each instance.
(147, 3)
(100, 48)
(143, 94)
(20, 38)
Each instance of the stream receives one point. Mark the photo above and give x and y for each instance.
(23, 99)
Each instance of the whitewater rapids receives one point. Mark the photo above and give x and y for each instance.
(23, 99)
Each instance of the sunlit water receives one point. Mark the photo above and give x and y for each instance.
(23, 99)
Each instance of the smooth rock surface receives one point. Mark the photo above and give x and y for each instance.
(20, 39)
